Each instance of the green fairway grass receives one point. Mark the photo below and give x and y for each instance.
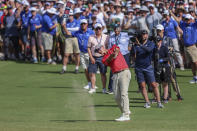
(35, 97)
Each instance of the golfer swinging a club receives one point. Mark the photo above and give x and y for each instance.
(121, 78)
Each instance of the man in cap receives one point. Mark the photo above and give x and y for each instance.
(25, 16)
(83, 35)
(161, 66)
(71, 43)
(167, 42)
(170, 30)
(152, 20)
(48, 30)
(77, 14)
(143, 50)
(34, 28)
(94, 43)
(140, 22)
(189, 37)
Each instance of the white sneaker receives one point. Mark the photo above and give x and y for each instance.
(91, 91)
(147, 105)
(193, 81)
(87, 87)
(159, 105)
(123, 118)
(96, 87)
(104, 91)
(49, 61)
(53, 63)
(182, 68)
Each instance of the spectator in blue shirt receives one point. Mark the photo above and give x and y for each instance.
(189, 37)
(82, 36)
(48, 30)
(35, 24)
(25, 16)
(71, 42)
(144, 71)
(77, 14)
(170, 28)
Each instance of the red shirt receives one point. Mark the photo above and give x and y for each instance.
(116, 64)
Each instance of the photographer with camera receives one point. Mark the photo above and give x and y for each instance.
(161, 66)
(143, 51)
(167, 42)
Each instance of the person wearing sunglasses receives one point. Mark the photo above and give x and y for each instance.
(94, 43)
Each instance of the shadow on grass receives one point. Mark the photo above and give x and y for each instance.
(112, 106)
(133, 92)
(56, 87)
(184, 75)
(81, 120)
(58, 72)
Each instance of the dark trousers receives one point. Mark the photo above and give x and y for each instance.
(127, 59)
(13, 42)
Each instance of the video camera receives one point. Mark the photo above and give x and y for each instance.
(134, 36)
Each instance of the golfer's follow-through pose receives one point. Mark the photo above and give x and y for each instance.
(121, 78)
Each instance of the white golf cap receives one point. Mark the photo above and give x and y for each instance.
(148, 1)
(166, 12)
(26, 3)
(83, 21)
(33, 9)
(98, 25)
(137, 7)
(72, 1)
(71, 12)
(144, 8)
(47, 3)
(60, 2)
(77, 10)
(160, 27)
(52, 11)
(151, 5)
(94, 8)
(188, 16)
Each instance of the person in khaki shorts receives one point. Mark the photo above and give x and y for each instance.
(121, 78)
(48, 30)
(189, 37)
(82, 36)
(71, 42)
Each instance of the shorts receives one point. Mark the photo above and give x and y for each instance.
(47, 41)
(84, 60)
(145, 74)
(36, 39)
(71, 45)
(191, 53)
(24, 33)
(92, 68)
